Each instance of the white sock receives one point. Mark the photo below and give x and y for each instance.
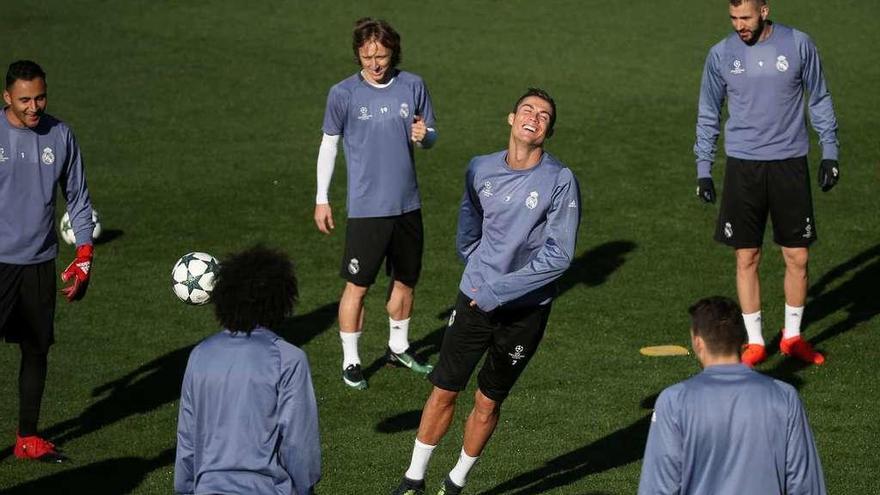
(459, 473)
(398, 339)
(793, 318)
(419, 463)
(753, 328)
(350, 348)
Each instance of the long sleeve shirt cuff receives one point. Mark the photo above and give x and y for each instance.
(830, 152)
(485, 299)
(704, 169)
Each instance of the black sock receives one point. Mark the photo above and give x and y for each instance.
(31, 382)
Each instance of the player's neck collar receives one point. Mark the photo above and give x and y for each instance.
(379, 86)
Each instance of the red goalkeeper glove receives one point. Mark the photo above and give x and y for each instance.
(78, 270)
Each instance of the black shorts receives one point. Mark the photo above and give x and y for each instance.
(754, 189)
(508, 337)
(399, 240)
(27, 305)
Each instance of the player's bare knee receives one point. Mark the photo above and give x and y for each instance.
(354, 291)
(484, 407)
(443, 398)
(796, 258)
(748, 259)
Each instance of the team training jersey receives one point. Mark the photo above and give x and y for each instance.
(248, 422)
(517, 230)
(730, 430)
(764, 87)
(32, 162)
(375, 126)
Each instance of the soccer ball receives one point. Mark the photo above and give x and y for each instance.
(66, 228)
(192, 278)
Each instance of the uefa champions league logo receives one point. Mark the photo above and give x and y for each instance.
(451, 319)
(728, 230)
(737, 67)
(487, 189)
(517, 354)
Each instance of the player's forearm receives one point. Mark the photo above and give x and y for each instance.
(712, 94)
(326, 163)
(76, 193)
(708, 130)
(824, 122)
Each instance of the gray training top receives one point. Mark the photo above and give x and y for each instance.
(248, 421)
(32, 162)
(375, 124)
(517, 230)
(729, 431)
(764, 87)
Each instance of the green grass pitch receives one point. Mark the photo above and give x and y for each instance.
(200, 123)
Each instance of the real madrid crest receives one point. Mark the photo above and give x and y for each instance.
(354, 266)
(728, 230)
(404, 110)
(781, 63)
(48, 157)
(532, 200)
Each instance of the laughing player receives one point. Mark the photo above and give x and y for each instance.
(517, 229)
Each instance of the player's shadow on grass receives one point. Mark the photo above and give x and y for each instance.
(110, 477)
(158, 382)
(858, 296)
(617, 449)
(595, 266)
(404, 421)
(109, 235)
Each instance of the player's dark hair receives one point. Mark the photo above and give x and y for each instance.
(737, 3)
(256, 287)
(369, 29)
(26, 70)
(540, 93)
(718, 320)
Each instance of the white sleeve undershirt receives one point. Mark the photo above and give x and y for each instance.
(326, 163)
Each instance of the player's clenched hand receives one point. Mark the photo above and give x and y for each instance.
(324, 218)
(78, 271)
(418, 130)
(829, 174)
(706, 189)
